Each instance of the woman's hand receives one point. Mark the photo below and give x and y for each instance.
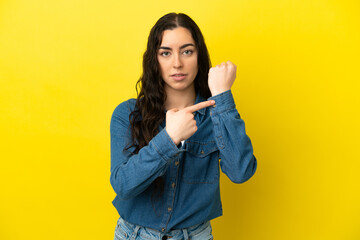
(180, 124)
(221, 77)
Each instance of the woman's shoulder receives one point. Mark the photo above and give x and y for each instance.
(125, 108)
(120, 117)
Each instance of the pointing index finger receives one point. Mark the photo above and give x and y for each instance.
(199, 106)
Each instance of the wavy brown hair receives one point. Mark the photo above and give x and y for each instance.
(149, 110)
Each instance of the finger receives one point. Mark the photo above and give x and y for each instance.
(199, 106)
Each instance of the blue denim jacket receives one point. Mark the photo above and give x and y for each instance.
(191, 172)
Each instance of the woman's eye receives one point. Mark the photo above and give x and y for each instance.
(165, 54)
(188, 52)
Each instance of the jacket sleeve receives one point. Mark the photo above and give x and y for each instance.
(132, 173)
(236, 151)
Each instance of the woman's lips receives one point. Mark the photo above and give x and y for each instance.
(178, 77)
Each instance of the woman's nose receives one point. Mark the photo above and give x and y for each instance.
(177, 61)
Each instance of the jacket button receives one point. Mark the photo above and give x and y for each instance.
(202, 151)
(173, 185)
(176, 163)
(169, 209)
(163, 229)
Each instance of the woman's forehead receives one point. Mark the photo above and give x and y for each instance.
(176, 37)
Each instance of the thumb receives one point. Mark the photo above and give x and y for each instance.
(173, 110)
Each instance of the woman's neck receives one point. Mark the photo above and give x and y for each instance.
(179, 99)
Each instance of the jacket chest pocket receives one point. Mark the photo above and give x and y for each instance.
(200, 163)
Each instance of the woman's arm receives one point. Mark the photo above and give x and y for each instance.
(132, 173)
(236, 151)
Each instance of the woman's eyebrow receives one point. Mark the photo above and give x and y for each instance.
(183, 46)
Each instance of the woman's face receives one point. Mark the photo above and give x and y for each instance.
(177, 58)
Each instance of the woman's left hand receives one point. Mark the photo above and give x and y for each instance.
(221, 77)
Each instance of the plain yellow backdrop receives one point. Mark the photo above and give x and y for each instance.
(66, 64)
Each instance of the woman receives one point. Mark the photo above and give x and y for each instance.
(167, 145)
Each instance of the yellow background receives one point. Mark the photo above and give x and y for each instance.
(66, 64)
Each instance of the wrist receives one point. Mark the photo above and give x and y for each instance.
(175, 140)
(217, 92)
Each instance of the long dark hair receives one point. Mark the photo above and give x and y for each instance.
(149, 110)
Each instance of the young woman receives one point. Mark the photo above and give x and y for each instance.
(168, 145)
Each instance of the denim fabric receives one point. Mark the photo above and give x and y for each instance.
(125, 230)
(191, 172)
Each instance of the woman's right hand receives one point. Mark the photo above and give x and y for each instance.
(180, 124)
